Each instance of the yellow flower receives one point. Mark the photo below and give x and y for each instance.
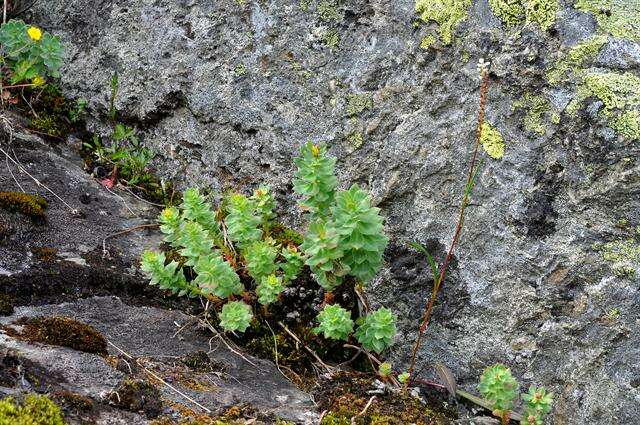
(37, 81)
(35, 33)
(315, 150)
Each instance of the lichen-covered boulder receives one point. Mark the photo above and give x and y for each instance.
(546, 277)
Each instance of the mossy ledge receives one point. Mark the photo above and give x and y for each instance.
(32, 206)
(33, 410)
(64, 332)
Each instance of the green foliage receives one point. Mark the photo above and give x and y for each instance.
(76, 113)
(265, 206)
(261, 259)
(322, 247)
(376, 330)
(170, 222)
(242, 220)
(384, 369)
(115, 86)
(335, 322)
(499, 388)
(294, 261)
(30, 54)
(537, 405)
(194, 241)
(34, 410)
(167, 277)
(216, 276)
(448, 14)
(235, 316)
(403, 377)
(269, 289)
(196, 209)
(314, 179)
(361, 233)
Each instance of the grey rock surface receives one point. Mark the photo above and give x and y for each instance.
(225, 92)
(150, 336)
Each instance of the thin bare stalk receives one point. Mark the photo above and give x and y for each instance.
(484, 87)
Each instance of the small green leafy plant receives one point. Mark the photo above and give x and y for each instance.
(344, 238)
(500, 389)
(28, 54)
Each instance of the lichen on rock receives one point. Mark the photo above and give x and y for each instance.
(492, 141)
(619, 18)
(446, 13)
(573, 62)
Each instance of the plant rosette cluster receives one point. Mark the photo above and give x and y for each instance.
(29, 54)
(500, 390)
(344, 238)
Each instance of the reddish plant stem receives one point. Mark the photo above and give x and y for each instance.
(484, 86)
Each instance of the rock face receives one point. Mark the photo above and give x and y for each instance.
(546, 278)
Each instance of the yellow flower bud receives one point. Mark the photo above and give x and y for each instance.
(37, 81)
(35, 33)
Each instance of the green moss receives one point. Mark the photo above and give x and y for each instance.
(536, 107)
(620, 95)
(446, 13)
(492, 141)
(427, 42)
(331, 39)
(49, 125)
(285, 236)
(616, 17)
(73, 401)
(30, 205)
(34, 410)
(358, 103)
(65, 332)
(137, 395)
(541, 12)
(577, 58)
(510, 12)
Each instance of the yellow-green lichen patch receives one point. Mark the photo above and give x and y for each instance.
(536, 107)
(30, 205)
(620, 96)
(355, 139)
(623, 255)
(328, 11)
(65, 332)
(492, 141)
(446, 13)
(575, 60)
(541, 12)
(510, 12)
(358, 103)
(34, 410)
(331, 39)
(620, 18)
(427, 42)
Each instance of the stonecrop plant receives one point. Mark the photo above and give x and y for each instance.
(28, 54)
(500, 390)
(344, 238)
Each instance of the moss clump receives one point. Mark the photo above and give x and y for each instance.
(510, 12)
(536, 107)
(285, 236)
(30, 205)
(34, 410)
(446, 13)
(137, 396)
(358, 103)
(541, 12)
(7, 302)
(52, 112)
(575, 60)
(624, 256)
(492, 141)
(620, 18)
(620, 95)
(73, 401)
(64, 332)
(427, 42)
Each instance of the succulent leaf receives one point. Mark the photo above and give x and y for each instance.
(322, 248)
(261, 259)
(216, 276)
(498, 387)
(242, 222)
(377, 330)
(170, 222)
(335, 322)
(294, 261)
(269, 288)
(194, 241)
(195, 208)
(235, 316)
(166, 277)
(265, 206)
(315, 180)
